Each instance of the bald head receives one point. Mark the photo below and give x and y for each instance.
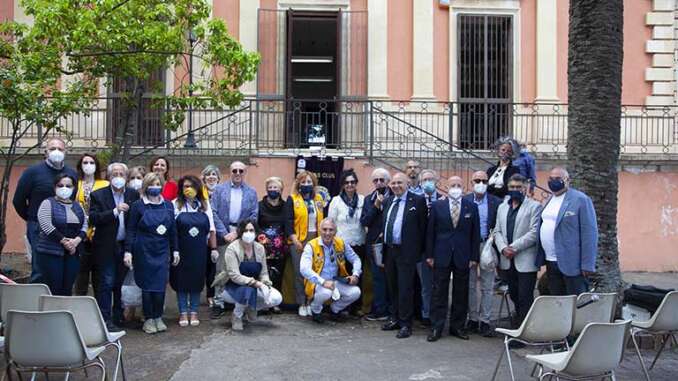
(455, 181)
(398, 184)
(328, 229)
(238, 170)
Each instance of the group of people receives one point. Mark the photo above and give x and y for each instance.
(202, 233)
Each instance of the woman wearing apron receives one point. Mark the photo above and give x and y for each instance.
(195, 232)
(151, 236)
(211, 177)
(245, 278)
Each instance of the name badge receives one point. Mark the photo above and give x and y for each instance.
(193, 231)
(161, 230)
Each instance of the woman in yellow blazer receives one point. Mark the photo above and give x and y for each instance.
(305, 211)
(89, 174)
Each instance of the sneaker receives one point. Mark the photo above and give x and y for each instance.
(318, 318)
(251, 315)
(376, 317)
(236, 323)
(160, 325)
(308, 310)
(149, 327)
(303, 311)
(217, 312)
(472, 326)
(183, 320)
(194, 319)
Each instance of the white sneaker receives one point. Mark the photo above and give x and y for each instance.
(303, 311)
(160, 325)
(309, 312)
(236, 323)
(149, 326)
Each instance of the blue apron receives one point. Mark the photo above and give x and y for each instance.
(192, 231)
(151, 256)
(245, 294)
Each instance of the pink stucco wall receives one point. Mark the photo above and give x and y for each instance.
(400, 49)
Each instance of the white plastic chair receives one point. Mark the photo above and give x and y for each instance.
(547, 323)
(599, 308)
(91, 324)
(664, 323)
(23, 297)
(596, 354)
(47, 342)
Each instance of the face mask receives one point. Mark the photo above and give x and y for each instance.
(480, 188)
(454, 193)
(556, 185)
(153, 191)
(56, 156)
(89, 169)
(135, 184)
(306, 189)
(190, 193)
(64, 192)
(382, 190)
(505, 156)
(118, 182)
(273, 195)
(248, 237)
(429, 187)
(516, 195)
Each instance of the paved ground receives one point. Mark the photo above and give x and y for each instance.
(285, 347)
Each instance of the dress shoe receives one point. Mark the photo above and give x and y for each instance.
(390, 326)
(376, 317)
(485, 330)
(338, 317)
(318, 318)
(434, 335)
(404, 333)
(112, 327)
(459, 334)
(472, 326)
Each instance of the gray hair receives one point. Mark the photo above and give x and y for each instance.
(211, 168)
(565, 173)
(434, 173)
(381, 171)
(112, 166)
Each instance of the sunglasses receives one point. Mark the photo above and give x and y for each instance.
(237, 171)
(378, 180)
(478, 181)
(350, 182)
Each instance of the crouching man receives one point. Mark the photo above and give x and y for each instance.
(324, 268)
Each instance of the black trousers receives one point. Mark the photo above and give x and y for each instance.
(521, 289)
(87, 272)
(400, 277)
(440, 296)
(561, 284)
(209, 275)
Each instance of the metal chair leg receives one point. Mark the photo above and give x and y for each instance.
(508, 359)
(68, 375)
(496, 368)
(102, 364)
(613, 377)
(534, 368)
(665, 339)
(122, 364)
(640, 357)
(118, 348)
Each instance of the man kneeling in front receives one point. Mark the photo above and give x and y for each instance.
(323, 266)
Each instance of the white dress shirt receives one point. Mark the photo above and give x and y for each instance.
(235, 207)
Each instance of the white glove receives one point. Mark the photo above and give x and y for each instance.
(175, 260)
(215, 255)
(127, 260)
(335, 294)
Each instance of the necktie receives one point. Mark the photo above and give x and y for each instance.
(455, 212)
(391, 221)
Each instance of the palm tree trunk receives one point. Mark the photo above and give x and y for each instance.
(594, 71)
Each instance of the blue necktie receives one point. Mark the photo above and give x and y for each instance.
(391, 221)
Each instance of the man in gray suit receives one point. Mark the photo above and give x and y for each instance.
(516, 239)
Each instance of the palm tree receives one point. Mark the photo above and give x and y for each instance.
(594, 83)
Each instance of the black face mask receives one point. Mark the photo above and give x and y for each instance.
(382, 190)
(556, 185)
(516, 195)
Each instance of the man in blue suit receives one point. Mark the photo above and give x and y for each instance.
(568, 237)
(452, 242)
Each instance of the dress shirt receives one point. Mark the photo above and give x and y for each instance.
(483, 213)
(119, 198)
(549, 217)
(236, 204)
(511, 222)
(330, 268)
(398, 223)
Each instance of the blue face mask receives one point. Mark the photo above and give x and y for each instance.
(516, 195)
(428, 186)
(153, 191)
(556, 185)
(306, 189)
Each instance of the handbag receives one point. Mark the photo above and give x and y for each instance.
(488, 256)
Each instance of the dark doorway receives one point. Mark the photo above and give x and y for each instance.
(312, 79)
(485, 81)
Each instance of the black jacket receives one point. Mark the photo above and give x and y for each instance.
(449, 245)
(105, 222)
(372, 218)
(493, 203)
(278, 216)
(413, 233)
(503, 191)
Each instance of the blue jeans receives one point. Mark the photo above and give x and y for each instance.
(380, 302)
(59, 272)
(153, 304)
(426, 278)
(111, 273)
(184, 298)
(32, 231)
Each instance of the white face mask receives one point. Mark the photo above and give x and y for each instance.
(135, 184)
(118, 182)
(480, 188)
(455, 193)
(64, 192)
(89, 169)
(56, 156)
(248, 237)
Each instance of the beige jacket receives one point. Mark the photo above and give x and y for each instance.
(230, 263)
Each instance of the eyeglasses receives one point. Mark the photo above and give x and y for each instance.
(478, 181)
(350, 182)
(378, 180)
(237, 171)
